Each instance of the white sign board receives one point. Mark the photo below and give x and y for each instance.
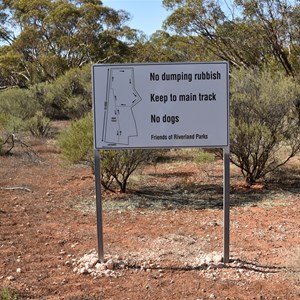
(165, 105)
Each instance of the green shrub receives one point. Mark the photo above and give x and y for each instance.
(264, 122)
(120, 164)
(7, 294)
(19, 112)
(203, 156)
(18, 103)
(9, 125)
(69, 96)
(38, 125)
(76, 143)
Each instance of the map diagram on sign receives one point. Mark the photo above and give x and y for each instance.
(121, 97)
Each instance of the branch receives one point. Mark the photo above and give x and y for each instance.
(17, 188)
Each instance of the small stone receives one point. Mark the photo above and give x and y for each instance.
(94, 260)
(100, 267)
(88, 265)
(110, 264)
(211, 267)
(83, 271)
(10, 278)
(18, 270)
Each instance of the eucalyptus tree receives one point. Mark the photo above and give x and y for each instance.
(244, 32)
(165, 47)
(52, 36)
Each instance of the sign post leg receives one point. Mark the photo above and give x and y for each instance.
(226, 203)
(98, 206)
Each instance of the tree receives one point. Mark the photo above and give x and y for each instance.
(265, 132)
(246, 33)
(67, 97)
(165, 47)
(57, 35)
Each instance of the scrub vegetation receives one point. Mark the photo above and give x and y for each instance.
(46, 71)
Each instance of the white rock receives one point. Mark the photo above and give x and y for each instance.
(100, 267)
(94, 260)
(110, 264)
(83, 271)
(10, 278)
(211, 267)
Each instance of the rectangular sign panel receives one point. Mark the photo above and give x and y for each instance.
(165, 105)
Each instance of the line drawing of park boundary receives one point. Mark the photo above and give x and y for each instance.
(121, 96)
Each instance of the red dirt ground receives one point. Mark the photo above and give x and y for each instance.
(168, 230)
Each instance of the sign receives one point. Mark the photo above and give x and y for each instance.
(165, 105)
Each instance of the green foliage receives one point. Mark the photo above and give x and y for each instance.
(8, 126)
(245, 33)
(7, 294)
(265, 132)
(18, 103)
(203, 156)
(56, 36)
(12, 72)
(120, 164)
(76, 143)
(14, 109)
(38, 125)
(69, 96)
(19, 111)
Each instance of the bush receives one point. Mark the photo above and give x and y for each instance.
(204, 156)
(38, 125)
(9, 125)
(68, 97)
(76, 144)
(264, 122)
(19, 112)
(17, 106)
(7, 294)
(18, 103)
(120, 164)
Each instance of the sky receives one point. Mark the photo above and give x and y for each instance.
(147, 15)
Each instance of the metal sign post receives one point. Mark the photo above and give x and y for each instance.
(99, 206)
(226, 202)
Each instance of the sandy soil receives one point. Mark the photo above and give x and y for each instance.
(162, 240)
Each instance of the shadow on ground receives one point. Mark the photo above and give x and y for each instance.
(191, 195)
